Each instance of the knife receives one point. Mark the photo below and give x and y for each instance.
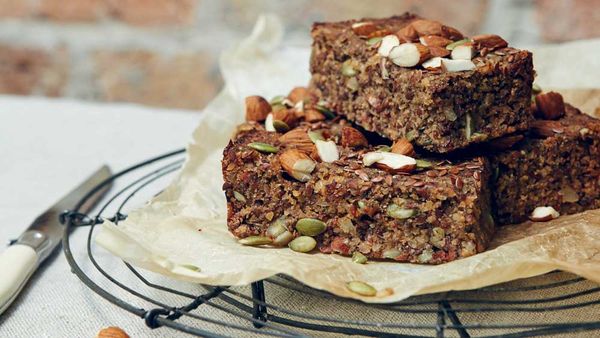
(20, 260)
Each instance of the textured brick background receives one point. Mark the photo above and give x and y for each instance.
(164, 52)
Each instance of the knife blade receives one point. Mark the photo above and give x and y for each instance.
(20, 260)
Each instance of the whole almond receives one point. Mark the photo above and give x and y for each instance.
(112, 332)
(435, 41)
(313, 115)
(364, 29)
(301, 94)
(353, 138)
(379, 33)
(298, 139)
(408, 34)
(451, 33)
(297, 164)
(409, 54)
(257, 108)
(403, 147)
(427, 27)
(286, 115)
(489, 42)
(439, 51)
(549, 106)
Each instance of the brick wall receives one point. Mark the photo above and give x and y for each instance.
(164, 52)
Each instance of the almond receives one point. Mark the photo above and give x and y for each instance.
(409, 54)
(435, 41)
(112, 332)
(438, 51)
(353, 138)
(543, 214)
(408, 34)
(301, 94)
(391, 162)
(313, 115)
(297, 164)
(387, 43)
(257, 108)
(433, 63)
(298, 139)
(403, 147)
(546, 128)
(327, 151)
(489, 42)
(364, 29)
(463, 52)
(550, 106)
(505, 142)
(427, 27)
(457, 65)
(451, 33)
(288, 116)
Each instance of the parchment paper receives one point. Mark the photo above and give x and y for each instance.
(185, 226)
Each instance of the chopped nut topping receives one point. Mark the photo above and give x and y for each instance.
(550, 106)
(327, 151)
(434, 41)
(257, 108)
(353, 138)
(457, 65)
(409, 54)
(297, 164)
(300, 94)
(403, 147)
(435, 62)
(543, 214)
(462, 52)
(390, 161)
(298, 139)
(387, 43)
(364, 29)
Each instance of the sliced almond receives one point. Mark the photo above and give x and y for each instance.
(409, 54)
(390, 161)
(327, 151)
(297, 164)
(434, 41)
(462, 52)
(387, 43)
(435, 62)
(550, 106)
(298, 139)
(457, 65)
(269, 123)
(403, 147)
(351, 137)
(364, 29)
(543, 214)
(257, 108)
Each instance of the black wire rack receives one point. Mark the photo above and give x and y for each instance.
(556, 303)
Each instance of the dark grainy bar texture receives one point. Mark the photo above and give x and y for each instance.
(557, 164)
(451, 201)
(439, 111)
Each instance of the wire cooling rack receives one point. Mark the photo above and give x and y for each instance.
(556, 303)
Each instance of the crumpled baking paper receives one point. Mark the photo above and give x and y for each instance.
(182, 233)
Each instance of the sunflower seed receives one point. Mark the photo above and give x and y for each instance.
(303, 244)
(263, 147)
(359, 258)
(310, 226)
(238, 196)
(255, 240)
(361, 288)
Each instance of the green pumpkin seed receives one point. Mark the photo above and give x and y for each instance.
(383, 148)
(238, 196)
(411, 135)
(315, 136)
(359, 258)
(391, 253)
(283, 239)
(303, 244)
(424, 164)
(310, 226)
(425, 256)
(255, 240)
(373, 41)
(276, 228)
(190, 267)
(536, 89)
(263, 147)
(352, 84)
(361, 288)
(397, 212)
(468, 126)
(347, 69)
(277, 107)
(322, 107)
(277, 100)
(457, 43)
(280, 126)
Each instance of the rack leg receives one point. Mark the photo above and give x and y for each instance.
(260, 310)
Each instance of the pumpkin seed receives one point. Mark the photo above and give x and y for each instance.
(347, 69)
(238, 196)
(359, 258)
(310, 226)
(457, 43)
(536, 89)
(255, 240)
(263, 147)
(280, 126)
(322, 107)
(361, 288)
(277, 107)
(277, 100)
(374, 40)
(276, 228)
(352, 84)
(424, 164)
(190, 267)
(383, 148)
(303, 244)
(315, 136)
(391, 253)
(397, 212)
(283, 239)
(425, 256)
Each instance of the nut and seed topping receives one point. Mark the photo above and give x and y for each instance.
(457, 43)
(543, 214)
(300, 94)
(327, 151)
(313, 115)
(310, 226)
(297, 164)
(353, 138)
(298, 138)
(239, 197)
(361, 288)
(364, 29)
(550, 106)
(303, 244)
(457, 65)
(348, 69)
(255, 240)
(424, 164)
(315, 136)
(257, 108)
(395, 211)
(409, 54)
(359, 258)
(263, 147)
(463, 52)
(390, 161)
(403, 147)
(489, 42)
(434, 41)
(387, 43)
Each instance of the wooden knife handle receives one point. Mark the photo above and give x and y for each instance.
(17, 263)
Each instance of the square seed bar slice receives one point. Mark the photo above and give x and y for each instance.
(438, 110)
(364, 208)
